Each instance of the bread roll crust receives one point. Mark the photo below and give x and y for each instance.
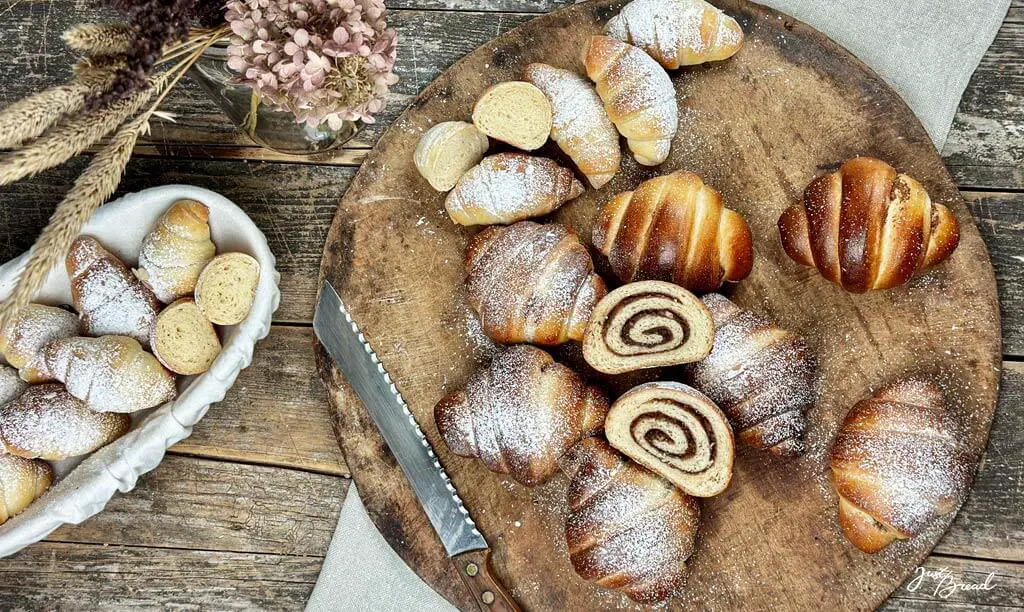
(176, 251)
(22, 481)
(677, 32)
(27, 332)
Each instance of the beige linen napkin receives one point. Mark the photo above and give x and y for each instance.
(926, 50)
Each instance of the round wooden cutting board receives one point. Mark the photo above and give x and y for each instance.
(758, 127)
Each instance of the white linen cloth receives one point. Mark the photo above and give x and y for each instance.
(926, 50)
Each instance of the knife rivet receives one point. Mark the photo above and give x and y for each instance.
(487, 597)
(472, 569)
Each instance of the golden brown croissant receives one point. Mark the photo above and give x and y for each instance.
(867, 227)
(22, 481)
(677, 32)
(627, 529)
(520, 414)
(760, 375)
(897, 464)
(675, 228)
(31, 329)
(531, 283)
(176, 251)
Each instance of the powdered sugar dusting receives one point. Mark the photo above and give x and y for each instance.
(11, 385)
(36, 326)
(673, 31)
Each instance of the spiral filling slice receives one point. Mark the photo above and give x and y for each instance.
(645, 325)
(677, 432)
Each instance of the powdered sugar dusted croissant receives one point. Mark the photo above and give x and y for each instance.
(509, 187)
(31, 329)
(22, 481)
(638, 95)
(627, 529)
(520, 414)
(110, 300)
(898, 463)
(176, 251)
(868, 227)
(531, 283)
(675, 228)
(677, 32)
(760, 375)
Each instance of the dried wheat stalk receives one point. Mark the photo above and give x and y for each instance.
(29, 117)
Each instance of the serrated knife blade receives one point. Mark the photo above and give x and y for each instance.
(356, 359)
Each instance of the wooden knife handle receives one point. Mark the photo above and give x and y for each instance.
(476, 571)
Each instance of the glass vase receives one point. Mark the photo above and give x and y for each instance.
(265, 125)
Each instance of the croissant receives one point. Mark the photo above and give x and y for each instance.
(646, 325)
(675, 228)
(520, 414)
(677, 32)
(866, 227)
(760, 375)
(897, 464)
(11, 385)
(510, 187)
(638, 95)
(110, 373)
(627, 529)
(581, 126)
(27, 332)
(531, 283)
(46, 422)
(109, 299)
(176, 251)
(22, 481)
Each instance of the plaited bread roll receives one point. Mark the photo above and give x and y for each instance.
(531, 283)
(520, 414)
(677, 32)
(47, 422)
(580, 126)
(509, 187)
(760, 375)
(647, 325)
(676, 431)
(627, 529)
(110, 373)
(32, 328)
(898, 463)
(176, 251)
(109, 299)
(638, 95)
(22, 481)
(447, 151)
(675, 228)
(868, 227)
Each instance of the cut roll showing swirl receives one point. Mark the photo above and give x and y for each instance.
(676, 431)
(647, 325)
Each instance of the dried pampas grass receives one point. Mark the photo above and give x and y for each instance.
(99, 39)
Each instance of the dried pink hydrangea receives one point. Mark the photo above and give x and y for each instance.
(323, 60)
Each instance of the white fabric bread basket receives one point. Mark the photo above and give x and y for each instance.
(85, 484)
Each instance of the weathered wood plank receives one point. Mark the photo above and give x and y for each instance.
(276, 414)
(218, 505)
(945, 582)
(65, 576)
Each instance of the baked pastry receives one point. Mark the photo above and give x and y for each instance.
(447, 150)
(109, 299)
(531, 283)
(627, 528)
(675, 431)
(11, 385)
(226, 288)
(514, 112)
(898, 464)
(510, 187)
(47, 422)
(176, 251)
(22, 481)
(520, 414)
(184, 340)
(867, 227)
(638, 95)
(760, 375)
(647, 325)
(580, 125)
(109, 374)
(674, 228)
(32, 328)
(677, 32)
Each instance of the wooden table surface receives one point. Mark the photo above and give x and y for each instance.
(240, 515)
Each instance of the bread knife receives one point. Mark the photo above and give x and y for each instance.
(466, 547)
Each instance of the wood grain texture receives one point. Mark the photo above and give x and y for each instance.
(759, 127)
